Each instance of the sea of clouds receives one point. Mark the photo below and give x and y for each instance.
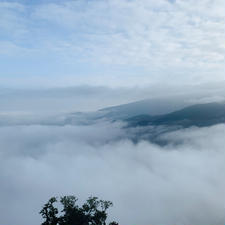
(179, 183)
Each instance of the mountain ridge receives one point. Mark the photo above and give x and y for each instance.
(195, 115)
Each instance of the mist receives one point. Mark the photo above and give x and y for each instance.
(179, 183)
(55, 100)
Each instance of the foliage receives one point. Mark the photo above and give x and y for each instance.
(92, 212)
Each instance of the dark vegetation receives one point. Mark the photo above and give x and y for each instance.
(92, 212)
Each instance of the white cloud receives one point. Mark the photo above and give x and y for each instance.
(175, 184)
(183, 40)
(159, 34)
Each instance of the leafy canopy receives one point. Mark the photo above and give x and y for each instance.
(92, 212)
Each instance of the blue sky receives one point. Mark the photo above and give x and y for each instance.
(111, 42)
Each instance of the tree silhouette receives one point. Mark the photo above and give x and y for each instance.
(92, 212)
(49, 212)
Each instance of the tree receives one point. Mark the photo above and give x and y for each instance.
(113, 223)
(49, 212)
(92, 212)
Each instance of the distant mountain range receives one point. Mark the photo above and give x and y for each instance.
(149, 113)
(153, 128)
(196, 115)
(146, 113)
(147, 106)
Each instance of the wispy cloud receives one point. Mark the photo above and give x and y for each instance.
(178, 39)
(146, 33)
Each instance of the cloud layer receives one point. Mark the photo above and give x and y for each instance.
(123, 42)
(181, 183)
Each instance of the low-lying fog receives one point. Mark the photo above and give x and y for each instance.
(148, 184)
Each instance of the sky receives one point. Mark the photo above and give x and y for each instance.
(58, 57)
(55, 43)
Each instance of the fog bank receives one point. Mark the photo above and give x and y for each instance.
(180, 183)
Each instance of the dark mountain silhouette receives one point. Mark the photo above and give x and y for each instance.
(148, 106)
(196, 115)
